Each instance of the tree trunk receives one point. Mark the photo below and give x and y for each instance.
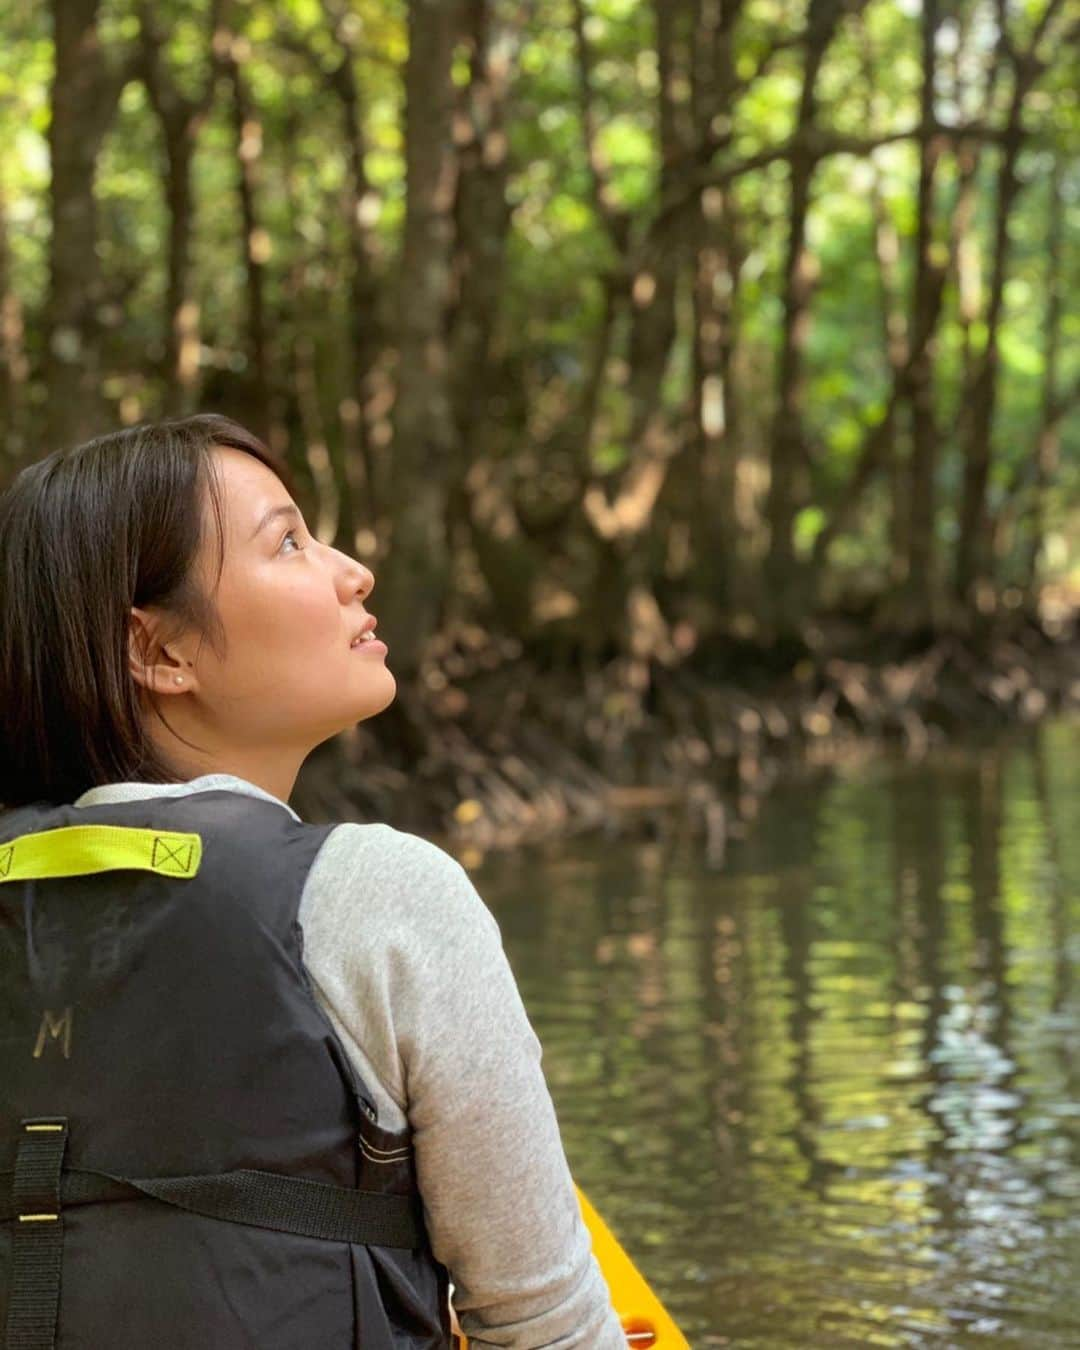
(878, 450)
(181, 120)
(621, 518)
(974, 558)
(1048, 440)
(367, 338)
(249, 147)
(14, 366)
(712, 508)
(182, 309)
(482, 213)
(974, 563)
(85, 92)
(920, 587)
(415, 577)
(713, 471)
(788, 460)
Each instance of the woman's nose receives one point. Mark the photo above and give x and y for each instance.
(356, 578)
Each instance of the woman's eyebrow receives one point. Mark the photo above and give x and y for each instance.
(273, 514)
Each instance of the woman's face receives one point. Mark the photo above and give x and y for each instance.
(290, 607)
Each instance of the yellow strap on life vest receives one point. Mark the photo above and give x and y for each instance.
(645, 1320)
(80, 850)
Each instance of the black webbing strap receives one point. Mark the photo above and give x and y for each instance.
(262, 1199)
(292, 1205)
(38, 1240)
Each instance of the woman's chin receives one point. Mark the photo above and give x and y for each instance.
(377, 702)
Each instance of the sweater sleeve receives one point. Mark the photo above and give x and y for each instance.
(411, 963)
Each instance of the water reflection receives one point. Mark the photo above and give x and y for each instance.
(829, 1095)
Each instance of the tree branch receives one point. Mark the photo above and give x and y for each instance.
(615, 220)
(816, 143)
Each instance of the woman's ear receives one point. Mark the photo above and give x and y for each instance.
(149, 661)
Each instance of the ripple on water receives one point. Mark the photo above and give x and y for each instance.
(829, 1097)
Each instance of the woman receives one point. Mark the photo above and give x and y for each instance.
(175, 640)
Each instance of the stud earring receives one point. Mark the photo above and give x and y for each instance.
(178, 679)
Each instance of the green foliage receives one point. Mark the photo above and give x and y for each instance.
(560, 257)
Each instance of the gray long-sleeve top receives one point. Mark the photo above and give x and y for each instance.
(408, 963)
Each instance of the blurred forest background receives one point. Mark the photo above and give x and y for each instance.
(694, 374)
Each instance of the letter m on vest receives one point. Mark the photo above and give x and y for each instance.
(56, 1028)
(200, 1165)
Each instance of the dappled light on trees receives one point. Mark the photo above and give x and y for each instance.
(645, 336)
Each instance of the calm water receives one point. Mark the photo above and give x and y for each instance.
(829, 1095)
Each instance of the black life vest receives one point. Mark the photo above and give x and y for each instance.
(187, 1158)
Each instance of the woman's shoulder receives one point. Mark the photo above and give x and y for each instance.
(382, 871)
(395, 856)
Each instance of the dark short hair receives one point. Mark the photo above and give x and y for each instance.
(85, 534)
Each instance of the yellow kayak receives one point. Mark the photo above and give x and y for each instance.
(645, 1319)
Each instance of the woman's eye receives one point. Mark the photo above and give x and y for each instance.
(290, 534)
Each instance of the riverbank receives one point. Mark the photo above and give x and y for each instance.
(498, 749)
